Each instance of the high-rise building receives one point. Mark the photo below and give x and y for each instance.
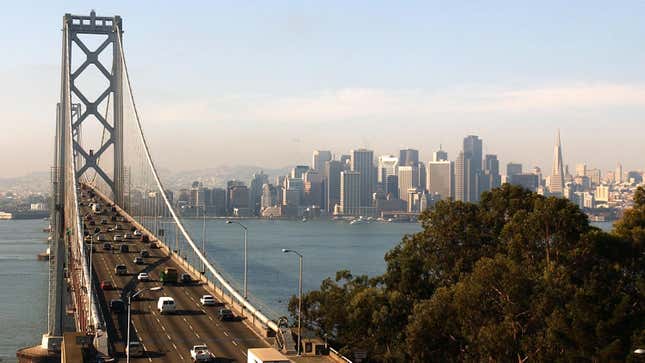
(229, 186)
(593, 175)
(491, 177)
(345, 161)
(408, 179)
(581, 169)
(350, 192)
(528, 181)
(391, 186)
(387, 165)
(313, 188)
(331, 176)
(440, 178)
(408, 157)
(319, 158)
(602, 193)
(439, 155)
(472, 168)
(513, 169)
(269, 197)
(255, 191)
(363, 162)
(460, 177)
(556, 186)
(423, 176)
(618, 174)
(298, 171)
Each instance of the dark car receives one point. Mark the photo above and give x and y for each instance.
(144, 253)
(107, 246)
(106, 285)
(92, 223)
(125, 249)
(226, 314)
(185, 278)
(117, 305)
(120, 270)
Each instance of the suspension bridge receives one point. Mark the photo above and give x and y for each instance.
(109, 207)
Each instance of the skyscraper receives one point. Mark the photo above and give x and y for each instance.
(513, 169)
(387, 165)
(440, 178)
(363, 162)
(319, 158)
(472, 168)
(490, 178)
(618, 174)
(408, 157)
(350, 192)
(439, 155)
(557, 174)
(460, 177)
(298, 171)
(391, 186)
(255, 191)
(408, 179)
(331, 176)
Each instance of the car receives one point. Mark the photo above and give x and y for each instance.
(138, 261)
(120, 269)
(104, 221)
(185, 278)
(117, 238)
(200, 353)
(135, 349)
(106, 285)
(207, 300)
(92, 223)
(107, 246)
(126, 236)
(97, 230)
(153, 245)
(226, 314)
(166, 304)
(88, 238)
(117, 305)
(124, 249)
(144, 253)
(136, 232)
(143, 276)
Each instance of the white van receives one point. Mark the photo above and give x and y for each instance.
(166, 304)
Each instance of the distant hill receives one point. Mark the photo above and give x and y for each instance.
(39, 182)
(217, 176)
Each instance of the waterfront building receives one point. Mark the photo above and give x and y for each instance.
(255, 191)
(313, 188)
(239, 197)
(331, 176)
(269, 197)
(350, 192)
(362, 161)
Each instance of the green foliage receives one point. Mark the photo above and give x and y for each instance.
(517, 277)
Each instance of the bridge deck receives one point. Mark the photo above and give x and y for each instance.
(166, 338)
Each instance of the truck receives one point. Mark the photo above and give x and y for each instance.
(200, 353)
(169, 275)
(265, 355)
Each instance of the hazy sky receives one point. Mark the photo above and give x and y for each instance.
(265, 82)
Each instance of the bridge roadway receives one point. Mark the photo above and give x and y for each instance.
(166, 338)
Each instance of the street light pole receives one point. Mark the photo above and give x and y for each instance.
(130, 296)
(245, 253)
(299, 294)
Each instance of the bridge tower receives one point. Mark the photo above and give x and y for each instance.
(109, 28)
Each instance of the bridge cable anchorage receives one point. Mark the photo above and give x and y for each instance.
(144, 182)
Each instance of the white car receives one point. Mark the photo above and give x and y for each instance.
(207, 300)
(136, 233)
(118, 238)
(200, 353)
(143, 277)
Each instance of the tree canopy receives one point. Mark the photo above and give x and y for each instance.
(516, 277)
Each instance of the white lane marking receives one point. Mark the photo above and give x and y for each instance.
(225, 333)
(234, 342)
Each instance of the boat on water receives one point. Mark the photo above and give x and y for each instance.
(359, 220)
(44, 256)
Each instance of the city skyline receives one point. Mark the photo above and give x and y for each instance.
(325, 79)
